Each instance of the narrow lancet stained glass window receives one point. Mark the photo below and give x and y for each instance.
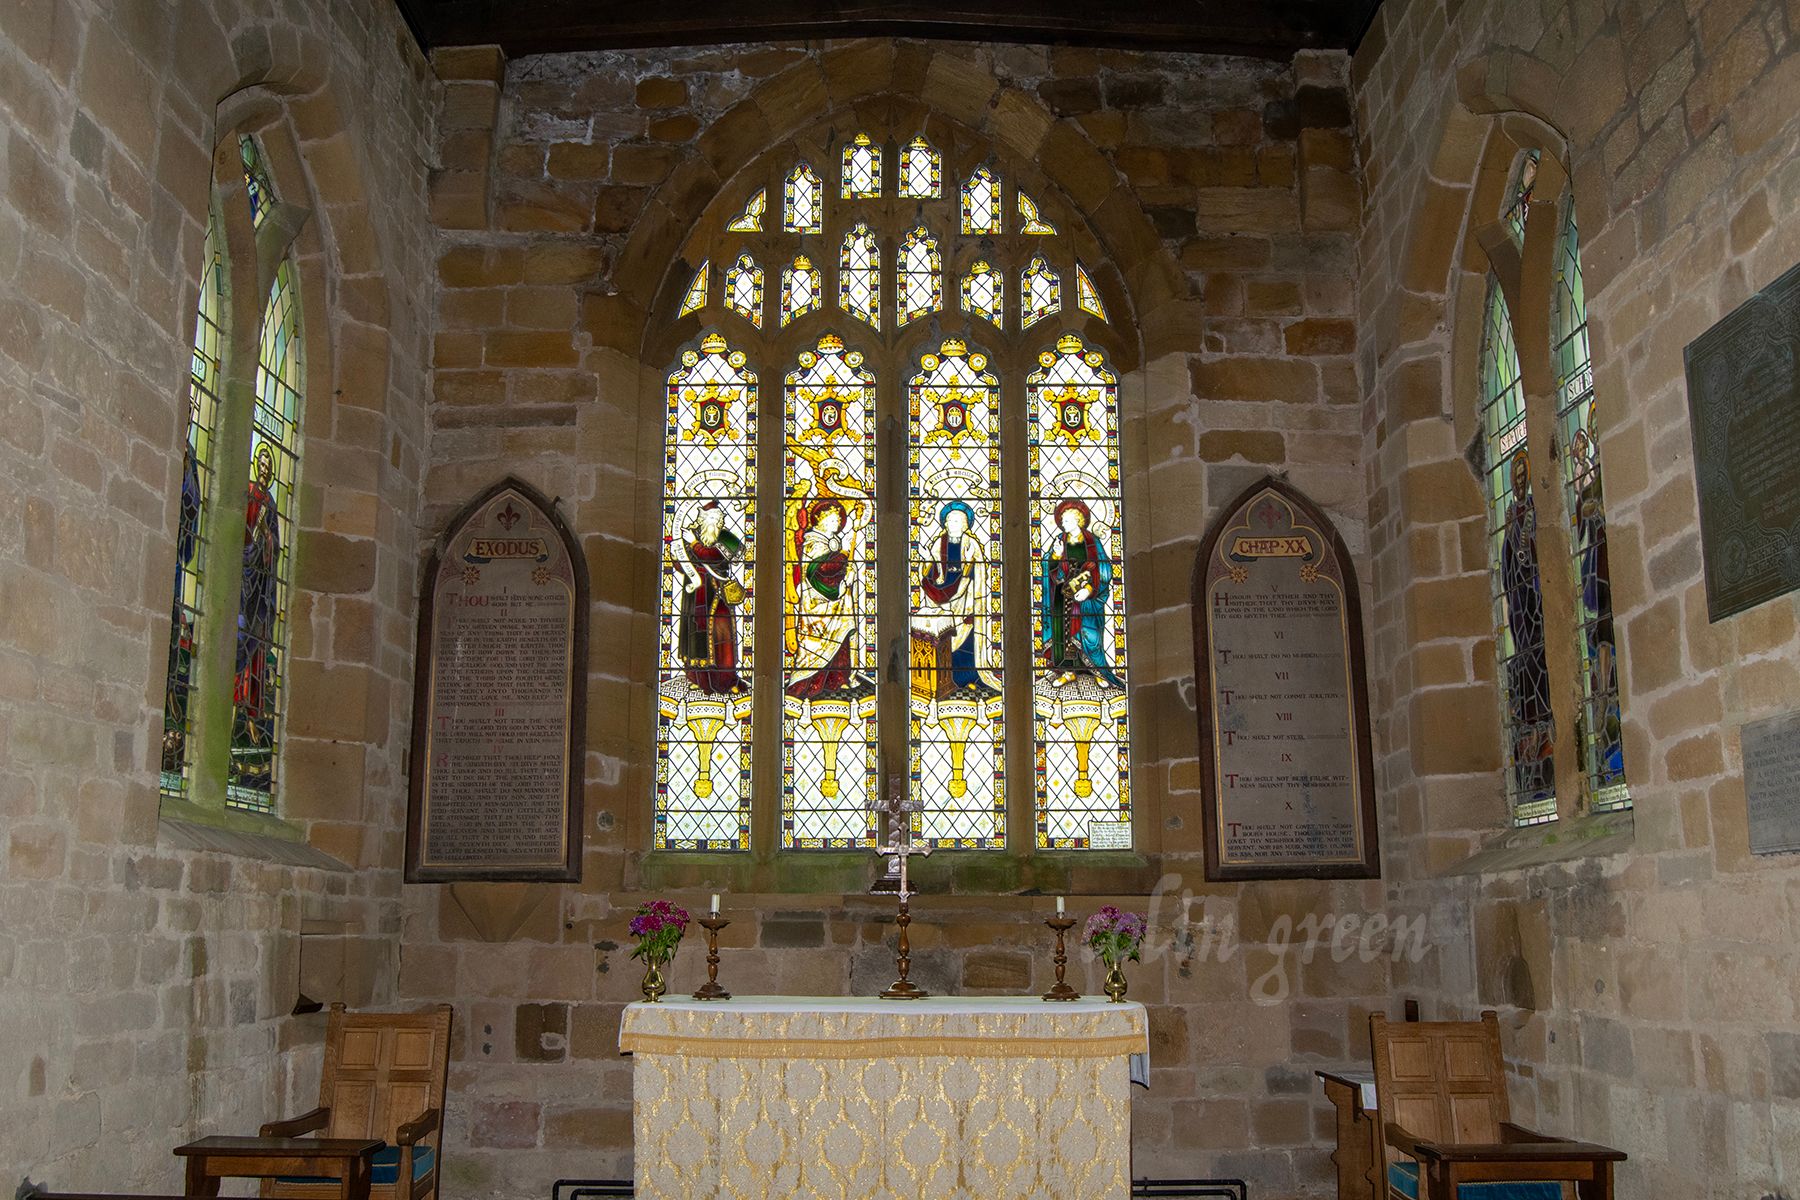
(956, 737)
(981, 208)
(1518, 200)
(192, 532)
(695, 300)
(708, 603)
(1029, 220)
(984, 292)
(919, 279)
(1087, 296)
(921, 171)
(744, 290)
(862, 169)
(256, 182)
(829, 761)
(801, 289)
(1578, 443)
(260, 672)
(859, 276)
(750, 220)
(1518, 600)
(1078, 686)
(802, 210)
(1040, 293)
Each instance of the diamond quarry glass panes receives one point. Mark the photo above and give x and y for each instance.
(192, 533)
(260, 667)
(841, 625)
(1078, 686)
(829, 760)
(708, 603)
(1518, 601)
(1578, 449)
(956, 735)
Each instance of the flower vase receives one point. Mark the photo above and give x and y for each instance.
(1115, 983)
(654, 984)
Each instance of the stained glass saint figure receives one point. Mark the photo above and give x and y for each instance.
(1596, 599)
(1528, 678)
(827, 593)
(713, 589)
(181, 641)
(955, 587)
(253, 691)
(1078, 576)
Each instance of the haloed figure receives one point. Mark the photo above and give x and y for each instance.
(1077, 579)
(1527, 675)
(825, 594)
(256, 615)
(955, 584)
(709, 643)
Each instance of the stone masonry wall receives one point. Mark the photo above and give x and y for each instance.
(1648, 992)
(1225, 193)
(145, 988)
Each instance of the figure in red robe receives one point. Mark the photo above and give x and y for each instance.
(258, 607)
(708, 632)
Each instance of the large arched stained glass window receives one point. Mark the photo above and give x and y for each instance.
(1518, 599)
(1578, 447)
(708, 603)
(192, 532)
(830, 773)
(1079, 695)
(957, 736)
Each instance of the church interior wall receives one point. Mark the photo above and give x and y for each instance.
(146, 986)
(1644, 984)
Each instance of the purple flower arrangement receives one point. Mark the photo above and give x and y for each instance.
(1115, 936)
(658, 927)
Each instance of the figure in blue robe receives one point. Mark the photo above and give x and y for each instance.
(1077, 579)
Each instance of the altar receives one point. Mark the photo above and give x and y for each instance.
(860, 1097)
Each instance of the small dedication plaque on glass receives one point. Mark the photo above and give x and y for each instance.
(1286, 775)
(499, 702)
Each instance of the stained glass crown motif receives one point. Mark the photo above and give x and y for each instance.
(713, 343)
(831, 343)
(954, 348)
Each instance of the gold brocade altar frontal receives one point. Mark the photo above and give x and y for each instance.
(802, 1097)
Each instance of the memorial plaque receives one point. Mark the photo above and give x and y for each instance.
(500, 697)
(1286, 775)
(1744, 408)
(1772, 784)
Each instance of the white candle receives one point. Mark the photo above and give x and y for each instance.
(715, 907)
(1059, 906)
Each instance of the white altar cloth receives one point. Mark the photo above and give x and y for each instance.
(861, 1097)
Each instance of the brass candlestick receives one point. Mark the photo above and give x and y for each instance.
(710, 990)
(904, 988)
(1062, 991)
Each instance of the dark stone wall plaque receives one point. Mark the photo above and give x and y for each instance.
(1772, 784)
(1286, 776)
(1744, 406)
(500, 697)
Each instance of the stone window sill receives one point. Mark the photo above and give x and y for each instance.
(187, 826)
(1594, 835)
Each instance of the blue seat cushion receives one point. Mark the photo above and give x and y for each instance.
(386, 1168)
(1405, 1179)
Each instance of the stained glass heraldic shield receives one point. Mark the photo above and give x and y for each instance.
(895, 363)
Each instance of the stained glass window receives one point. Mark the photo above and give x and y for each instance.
(191, 537)
(1518, 199)
(1087, 296)
(256, 182)
(1078, 688)
(1518, 601)
(750, 220)
(1029, 220)
(984, 291)
(260, 670)
(1040, 293)
(695, 300)
(802, 211)
(921, 171)
(981, 208)
(744, 289)
(859, 276)
(919, 277)
(708, 603)
(801, 289)
(1578, 444)
(829, 760)
(862, 169)
(956, 735)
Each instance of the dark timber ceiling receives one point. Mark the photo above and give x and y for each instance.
(1266, 28)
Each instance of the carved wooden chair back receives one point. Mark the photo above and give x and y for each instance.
(1443, 1081)
(383, 1070)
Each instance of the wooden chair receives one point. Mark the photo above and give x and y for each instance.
(384, 1078)
(1440, 1094)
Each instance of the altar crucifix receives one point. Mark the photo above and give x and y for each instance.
(898, 850)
